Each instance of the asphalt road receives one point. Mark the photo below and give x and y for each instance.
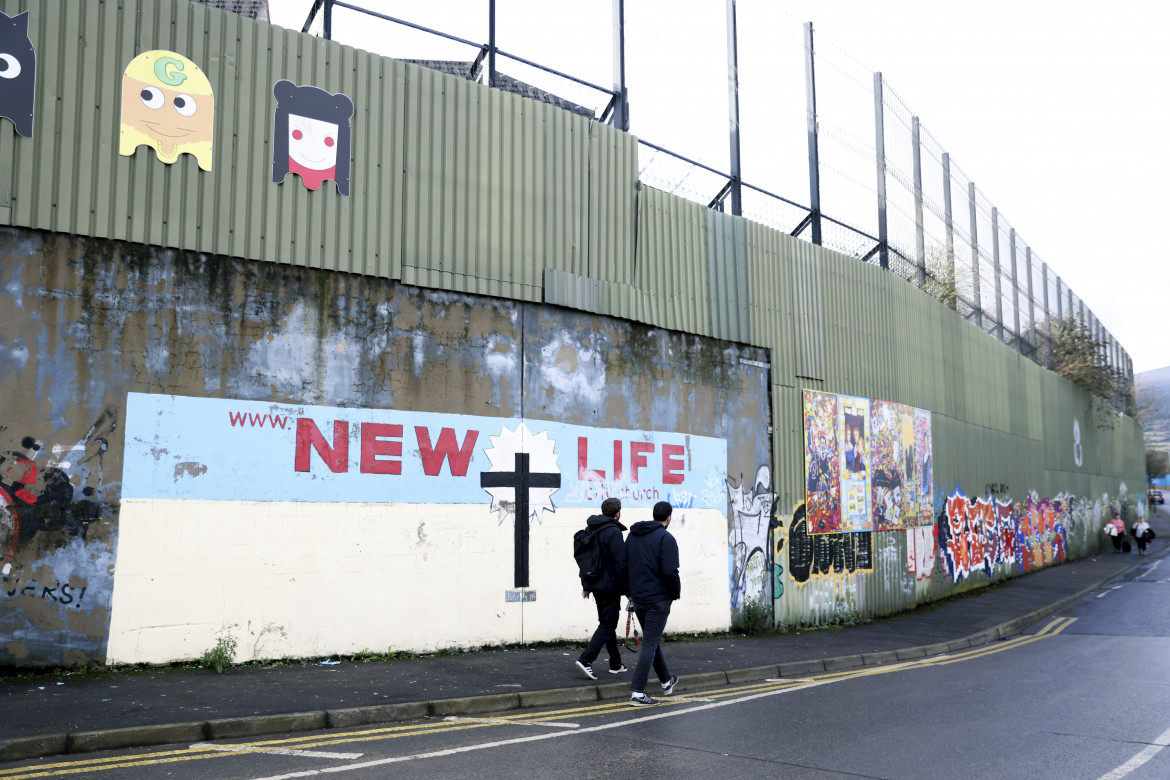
(1085, 694)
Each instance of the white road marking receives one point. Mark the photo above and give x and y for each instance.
(672, 713)
(1158, 745)
(276, 751)
(506, 722)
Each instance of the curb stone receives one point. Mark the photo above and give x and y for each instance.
(259, 725)
(751, 675)
(882, 657)
(557, 696)
(801, 668)
(135, 736)
(474, 705)
(843, 662)
(688, 682)
(378, 713)
(613, 691)
(24, 748)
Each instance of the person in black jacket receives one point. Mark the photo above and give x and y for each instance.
(607, 590)
(652, 566)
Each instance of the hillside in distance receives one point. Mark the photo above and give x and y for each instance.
(1153, 389)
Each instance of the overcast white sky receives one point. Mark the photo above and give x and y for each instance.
(1059, 111)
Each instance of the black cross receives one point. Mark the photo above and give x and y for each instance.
(521, 481)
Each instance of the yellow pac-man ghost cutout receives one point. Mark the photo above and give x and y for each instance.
(167, 105)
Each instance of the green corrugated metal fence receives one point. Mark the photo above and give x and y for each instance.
(460, 187)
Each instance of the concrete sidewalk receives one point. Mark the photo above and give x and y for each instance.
(55, 715)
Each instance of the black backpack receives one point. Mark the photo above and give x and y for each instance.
(587, 551)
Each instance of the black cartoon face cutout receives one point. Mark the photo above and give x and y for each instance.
(18, 72)
(311, 135)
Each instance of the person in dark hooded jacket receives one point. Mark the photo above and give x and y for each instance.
(652, 567)
(607, 590)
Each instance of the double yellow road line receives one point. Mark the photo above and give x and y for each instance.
(209, 751)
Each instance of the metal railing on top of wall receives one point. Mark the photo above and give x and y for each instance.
(913, 212)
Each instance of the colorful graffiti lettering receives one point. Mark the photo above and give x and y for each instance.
(987, 533)
(1041, 533)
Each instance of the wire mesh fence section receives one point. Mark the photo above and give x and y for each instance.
(824, 148)
(845, 119)
(676, 175)
(772, 107)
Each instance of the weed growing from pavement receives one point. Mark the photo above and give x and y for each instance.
(755, 618)
(222, 656)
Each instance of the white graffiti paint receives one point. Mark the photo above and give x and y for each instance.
(573, 373)
(920, 547)
(299, 356)
(750, 522)
(1078, 451)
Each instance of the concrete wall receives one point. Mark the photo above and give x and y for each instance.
(106, 561)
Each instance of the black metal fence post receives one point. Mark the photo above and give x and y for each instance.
(733, 110)
(621, 114)
(491, 43)
(949, 226)
(1018, 330)
(975, 284)
(919, 224)
(998, 274)
(814, 162)
(879, 122)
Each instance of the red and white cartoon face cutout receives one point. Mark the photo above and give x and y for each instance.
(312, 143)
(312, 135)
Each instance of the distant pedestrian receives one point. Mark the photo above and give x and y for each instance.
(607, 588)
(1116, 531)
(1142, 534)
(652, 565)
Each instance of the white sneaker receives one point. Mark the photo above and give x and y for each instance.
(587, 669)
(668, 686)
(619, 670)
(641, 700)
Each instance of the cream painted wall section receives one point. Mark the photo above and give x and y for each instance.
(312, 579)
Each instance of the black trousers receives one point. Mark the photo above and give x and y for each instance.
(653, 618)
(608, 609)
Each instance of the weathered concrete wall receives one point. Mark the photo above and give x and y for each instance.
(85, 322)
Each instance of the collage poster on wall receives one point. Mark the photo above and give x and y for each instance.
(925, 450)
(868, 464)
(821, 463)
(853, 435)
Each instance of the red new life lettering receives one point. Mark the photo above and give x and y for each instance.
(671, 464)
(638, 452)
(583, 470)
(617, 461)
(309, 436)
(433, 457)
(375, 444)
